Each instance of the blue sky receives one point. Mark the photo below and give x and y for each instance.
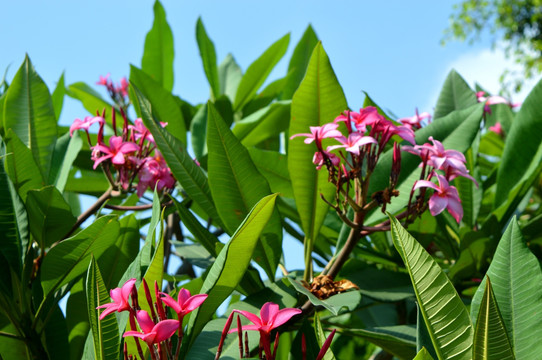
(389, 49)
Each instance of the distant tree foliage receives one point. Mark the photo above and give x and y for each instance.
(517, 23)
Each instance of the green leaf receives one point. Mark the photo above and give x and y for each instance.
(321, 337)
(523, 148)
(21, 166)
(423, 354)
(105, 332)
(455, 95)
(92, 101)
(69, 259)
(49, 216)
(515, 278)
(445, 316)
(263, 124)
(237, 186)
(66, 150)
(77, 320)
(58, 96)
(274, 167)
(317, 101)
(397, 340)
(299, 62)
(208, 57)
(28, 111)
(158, 54)
(165, 108)
(183, 168)
(490, 336)
(230, 76)
(258, 71)
(229, 267)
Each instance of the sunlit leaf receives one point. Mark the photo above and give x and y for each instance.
(208, 57)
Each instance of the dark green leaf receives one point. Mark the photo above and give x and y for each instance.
(398, 340)
(263, 124)
(208, 57)
(455, 95)
(158, 54)
(77, 320)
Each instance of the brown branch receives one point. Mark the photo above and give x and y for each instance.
(90, 211)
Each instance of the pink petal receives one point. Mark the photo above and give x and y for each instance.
(437, 204)
(268, 312)
(194, 302)
(169, 301)
(284, 315)
(250, 316)
(183, 296)
(118, 158)
(144, 320)
(455, 208)
(133, 333)
(127, 288)
(164, 329)
(245, 327)
(425, 183)
(110, 308)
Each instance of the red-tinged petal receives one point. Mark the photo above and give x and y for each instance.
(183, 296)
(245, 327)
(194, 302)
(284, 315)
(169, 301)
(128, 147)
(268, 312)
(455, 208)
(250, 316)
(110, 308)
(164, 329)
(116, 294)
(127, 288)
(325, 346)
(437, 204)
(144, 320)
(304, 134)
(425, 183)
(133, 333)
(118, 158)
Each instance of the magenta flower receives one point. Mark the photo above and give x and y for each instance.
(353, 142)
(154, 173)
(185, 303)
(497, 129)
(414, 122)
(444, 197)
(270, 318)
(120, 299)
(153, 333)
(104, 80)
(320, 157)
(116, 151)
(442, 159)
(85, 124)
(320, 132)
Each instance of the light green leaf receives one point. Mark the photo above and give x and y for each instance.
(69, 259)
(58, 96)
(522, 153)
(274, 167)
(105, 332)
(183, 168)
(66, 149)
(317, 101)
(299, 62)
(165, 108)
(230, 75)
(423, 354)
(28, 111)
(236, 186)
(229, 267)
(208, 57)
(516, 280)
(49, 216)
(258, 71)
(158, 54)
(455, 95)
(445, 315)
(490, 336)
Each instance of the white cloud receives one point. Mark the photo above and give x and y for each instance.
(483, 67)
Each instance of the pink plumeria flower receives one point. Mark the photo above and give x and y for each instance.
(444, 197)
(383, 127)
(497, 129)
(442, 159)
(185, 303)
(366, 116)
(139, 130)
(270, 318)
(116, 151)
(320, 156)
(120, 299)
(86, 123)
(154, 173)
(153, 333)
(320, 132)
(352, 143)
(415, 122)
(104, 80)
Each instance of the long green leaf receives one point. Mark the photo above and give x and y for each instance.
(237, 186)
(28, 111)
(158, 54)
(184, 169)
(165, 108)
(77, 320)
(66, 150)
(230, 75)
(49, 215)
(515, 278)
(105, 332)
(490, 336)
(58, 96)
(455, 95)
(274, 167)
(69, 259)
(258, 71)
(445, 315)
(317, 101)
(229, 267)
(208, 57)
(523, 148)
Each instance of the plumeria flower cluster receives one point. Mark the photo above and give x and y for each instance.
(270, 319)
(492, 100)
(154, 329)
(128, 156)
(445, 165)
(117, 92)
(415, 122)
